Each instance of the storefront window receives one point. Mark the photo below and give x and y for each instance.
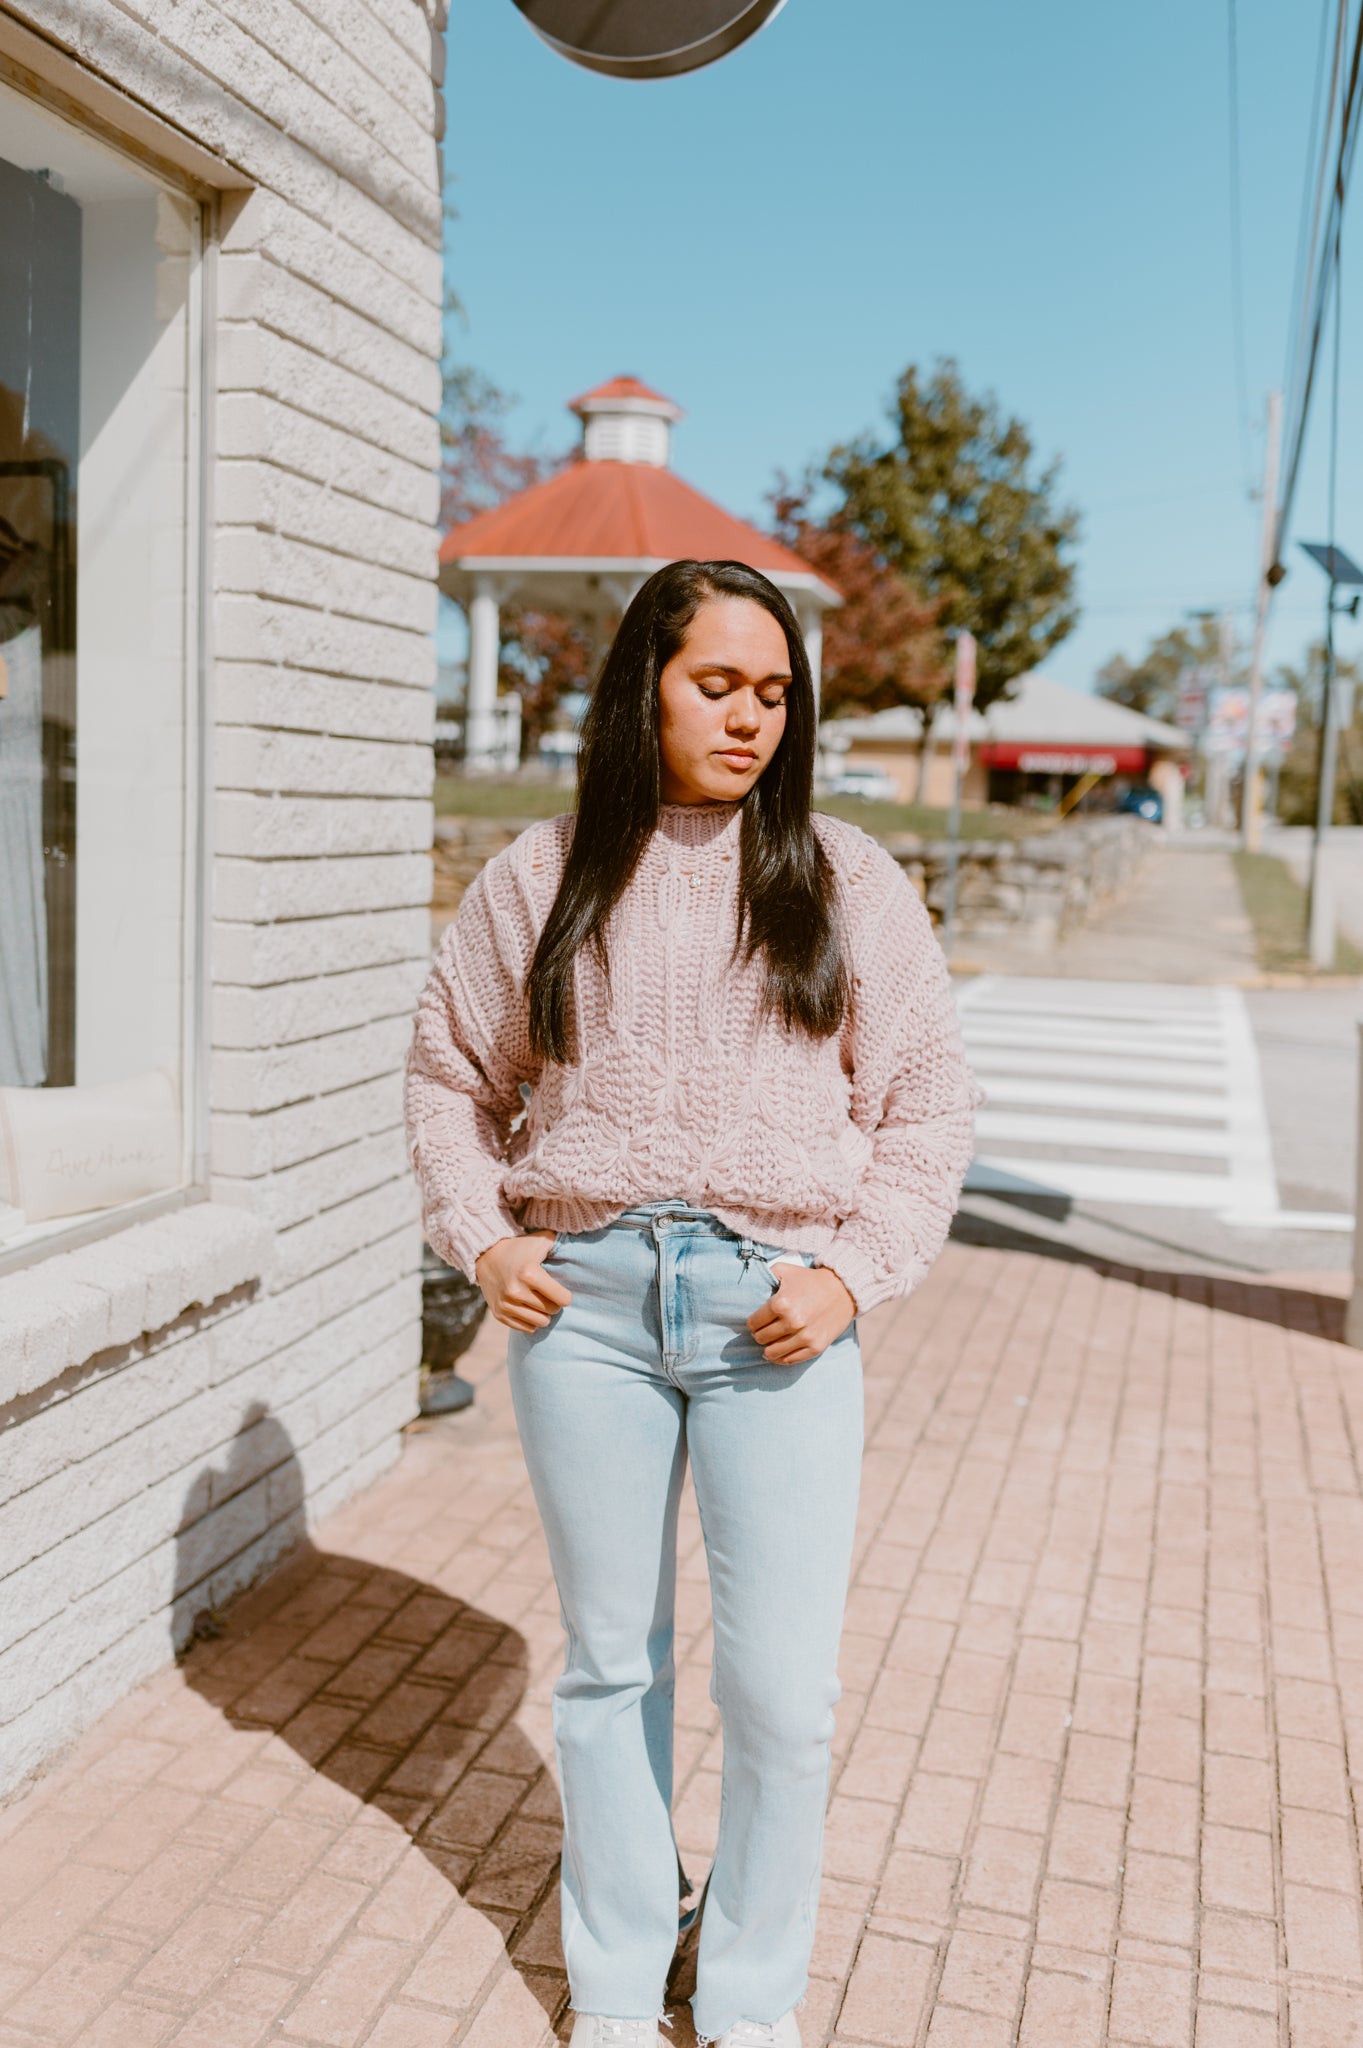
(99, 267)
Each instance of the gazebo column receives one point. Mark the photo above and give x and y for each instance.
(480, 701)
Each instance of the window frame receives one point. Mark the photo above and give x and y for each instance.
(61, 101)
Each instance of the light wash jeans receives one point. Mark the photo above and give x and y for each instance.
(654, 1360)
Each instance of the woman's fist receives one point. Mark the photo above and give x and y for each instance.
(515, 1285)
(809, 1309)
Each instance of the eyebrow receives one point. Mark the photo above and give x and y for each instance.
(718, 668)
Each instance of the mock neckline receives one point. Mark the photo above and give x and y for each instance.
(695, 826)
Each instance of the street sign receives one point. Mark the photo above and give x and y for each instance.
(646, 38)
(1194, 688)
(1227, 728)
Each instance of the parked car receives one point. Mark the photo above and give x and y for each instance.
(872, 785)
(1142, 801)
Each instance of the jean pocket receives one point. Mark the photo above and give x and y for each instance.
(774, 1258)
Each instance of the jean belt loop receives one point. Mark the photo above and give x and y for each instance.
(747, 1251)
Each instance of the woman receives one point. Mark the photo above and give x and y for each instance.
(686, 1094)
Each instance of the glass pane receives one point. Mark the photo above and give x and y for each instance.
(97, 266)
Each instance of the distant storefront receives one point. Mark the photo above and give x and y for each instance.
(1038, 747)
(220, 335)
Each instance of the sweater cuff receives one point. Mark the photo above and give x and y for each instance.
(856, 1273)
(461, 1238)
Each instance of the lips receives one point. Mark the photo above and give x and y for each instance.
(737, 757)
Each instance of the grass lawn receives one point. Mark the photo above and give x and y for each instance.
(498, 796)
(1275, 903)
(491, 796)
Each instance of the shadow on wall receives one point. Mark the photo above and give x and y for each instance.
(238, 1519)
(394, 1690)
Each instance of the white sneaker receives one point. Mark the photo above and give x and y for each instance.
(591, 2030)
(782, 2033)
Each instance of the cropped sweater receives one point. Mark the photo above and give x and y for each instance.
(852, 1148)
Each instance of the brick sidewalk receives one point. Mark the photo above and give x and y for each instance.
(1103, 1681)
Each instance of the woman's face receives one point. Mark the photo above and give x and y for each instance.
(722, 703)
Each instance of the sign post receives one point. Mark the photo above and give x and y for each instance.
(962, 705)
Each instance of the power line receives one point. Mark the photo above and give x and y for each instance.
(1237, 242)
(1322, 273)
(1305, 223)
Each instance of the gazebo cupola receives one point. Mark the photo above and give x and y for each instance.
(584, 540)
(623, 421)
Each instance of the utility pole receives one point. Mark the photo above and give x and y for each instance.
(1251, 806)
(1319, 906)
(1218, 762)
(1344, 573)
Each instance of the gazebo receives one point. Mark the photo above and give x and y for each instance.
(584, 540)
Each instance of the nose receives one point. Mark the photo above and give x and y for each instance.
(744, 716)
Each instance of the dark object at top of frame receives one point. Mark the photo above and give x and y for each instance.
(646, 38)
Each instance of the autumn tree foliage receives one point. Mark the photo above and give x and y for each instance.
(477, 467)
(881, 646)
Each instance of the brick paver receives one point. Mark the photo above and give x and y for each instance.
(1098, 1757)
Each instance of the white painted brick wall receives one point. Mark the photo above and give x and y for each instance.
(184, 1398)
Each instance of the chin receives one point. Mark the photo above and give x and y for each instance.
(729, 786)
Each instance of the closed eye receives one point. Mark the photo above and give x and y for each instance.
(768, 703)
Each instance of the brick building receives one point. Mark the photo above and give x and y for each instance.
(220, 292)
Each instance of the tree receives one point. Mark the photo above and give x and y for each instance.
(952, 502)
(543, 653)
(881, 646)
(1298, 779)
(477, 468)
(1151, 684)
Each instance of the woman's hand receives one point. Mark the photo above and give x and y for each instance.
(515, 1285)
(809, 1309)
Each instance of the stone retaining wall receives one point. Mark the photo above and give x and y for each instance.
(1034, 888)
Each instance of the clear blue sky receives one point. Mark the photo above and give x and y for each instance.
(1040, 191)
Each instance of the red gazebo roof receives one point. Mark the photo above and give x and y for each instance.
(603, 512)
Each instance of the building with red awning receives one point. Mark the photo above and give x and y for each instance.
(1035, 746)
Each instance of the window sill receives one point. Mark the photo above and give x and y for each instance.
(58, 1314)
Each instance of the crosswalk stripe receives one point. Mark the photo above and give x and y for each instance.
(1102, 1134)
(1087, 1066)
(1208, 1104)
(1034, 1037)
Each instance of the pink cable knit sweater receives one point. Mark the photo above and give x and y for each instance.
(852, 1148)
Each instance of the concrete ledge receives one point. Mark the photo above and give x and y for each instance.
(77, 1303)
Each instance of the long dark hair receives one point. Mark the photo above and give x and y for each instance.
(787, 907)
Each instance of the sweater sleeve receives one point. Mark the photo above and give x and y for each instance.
(912, 1093)
(470, 1053)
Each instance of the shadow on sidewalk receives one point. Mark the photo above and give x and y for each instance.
(1263, 1301)
(389, 1688)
